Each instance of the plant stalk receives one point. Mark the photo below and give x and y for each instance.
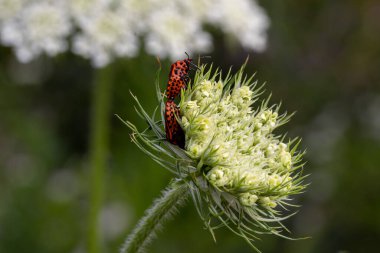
(99, 147)
(162, 209)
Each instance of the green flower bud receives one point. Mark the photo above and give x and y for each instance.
(248, 199)
(267, 202)
(219, 176)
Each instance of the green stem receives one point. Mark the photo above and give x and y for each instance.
(163, 208)
(98, 153)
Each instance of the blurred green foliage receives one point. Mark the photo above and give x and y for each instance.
(322, 61)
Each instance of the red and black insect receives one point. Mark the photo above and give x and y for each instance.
(179, 77)
(174, 132)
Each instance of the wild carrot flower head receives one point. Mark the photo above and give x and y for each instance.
(240, 173)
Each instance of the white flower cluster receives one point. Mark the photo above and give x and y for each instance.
(34, 27)
(104, 29)
(234, 145)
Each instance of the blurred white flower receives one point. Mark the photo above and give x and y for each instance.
(63, 186)
(9, 8)
(200, 9)
(40, 27)
(108, 29)
(171, 33)
(244, 19)
(113, 219)
(80, 8)
(138, 12)
(104, 34)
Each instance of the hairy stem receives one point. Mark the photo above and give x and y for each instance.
(162, 209)
(98, 154)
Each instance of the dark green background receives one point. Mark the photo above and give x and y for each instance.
(323, 61)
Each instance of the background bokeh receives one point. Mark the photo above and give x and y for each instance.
(322, 61)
